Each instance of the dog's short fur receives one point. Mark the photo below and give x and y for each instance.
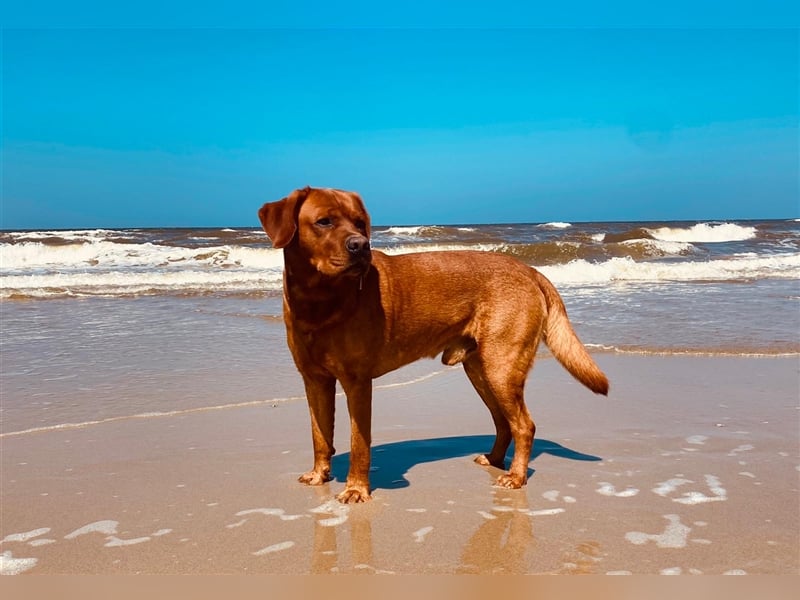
(353, 314)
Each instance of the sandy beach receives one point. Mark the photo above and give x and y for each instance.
(691, 466)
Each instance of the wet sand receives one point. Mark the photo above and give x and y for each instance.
(691, 466)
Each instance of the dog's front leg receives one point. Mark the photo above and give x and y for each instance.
(359, 403)
(321, 394)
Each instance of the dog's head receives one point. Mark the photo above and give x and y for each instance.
(327, 228)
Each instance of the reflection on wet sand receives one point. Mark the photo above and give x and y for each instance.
(327, 555)
(502, 542)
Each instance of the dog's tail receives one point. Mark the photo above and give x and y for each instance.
(564, 343)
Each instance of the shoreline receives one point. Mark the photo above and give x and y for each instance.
(407, 376)
(690, 466)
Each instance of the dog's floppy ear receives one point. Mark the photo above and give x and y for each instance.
(279, 219)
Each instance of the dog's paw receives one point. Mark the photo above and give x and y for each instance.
(354, 495)
(509, 481)
(314, 477)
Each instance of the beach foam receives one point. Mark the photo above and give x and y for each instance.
(26, 536)
(624, 270)
(56, 264)
(555, 225)
(675, 535)
(14, 566)
(275, 548)
(105, 527)
(705, 232)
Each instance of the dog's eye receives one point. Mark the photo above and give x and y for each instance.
(324, 222)
(361, 225)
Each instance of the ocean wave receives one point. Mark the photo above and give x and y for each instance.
(637, 233)
(432, 247)
(201, 260)
(38, 270)
(100, 254)
(705, 233)
(554, 225)
(132, 283)
(565, 251)
(404, 231)
(58, 234)
(656, 248)
(688, 352)
(425, 234)
(260, 270)
(625, 269)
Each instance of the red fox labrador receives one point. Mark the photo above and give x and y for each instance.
(353, 313)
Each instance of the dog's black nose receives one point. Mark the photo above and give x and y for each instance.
(357, 245)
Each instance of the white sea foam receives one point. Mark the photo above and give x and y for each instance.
(126, 283)
(161, 532)
(24, 537)
(412, 248)
(333, 507)
(274, 548)
(404, 231)
(675, 535)
(545, 512)
(719, 494)
(555, 225)
(656, 248)
(14, 566)
(741, 448)
(274, 512)
(106, 527)
(102, 267)
(607, 489)
(698, 440)
(419, 535)
(104, 254)
(667, 487)
(625, 269)
(110, 263)
(77, 235)
(115, 542)
(705, 233)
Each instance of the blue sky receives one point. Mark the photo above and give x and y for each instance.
(139, 126)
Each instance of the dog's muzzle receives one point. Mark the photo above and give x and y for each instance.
(358, 247)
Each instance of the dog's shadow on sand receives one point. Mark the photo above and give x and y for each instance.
(391, 462)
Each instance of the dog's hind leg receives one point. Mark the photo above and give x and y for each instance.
(496, 457)
(504, 367)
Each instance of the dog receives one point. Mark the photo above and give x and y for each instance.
(353, 313)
